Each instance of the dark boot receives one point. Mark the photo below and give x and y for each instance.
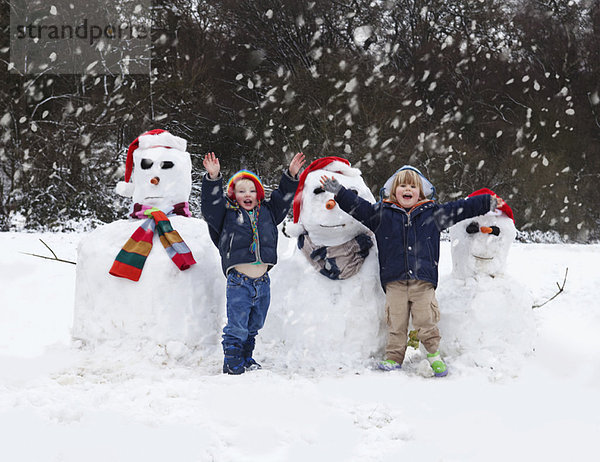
(249, 362)
(234, 361)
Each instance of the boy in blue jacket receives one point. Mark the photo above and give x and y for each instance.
(244, 228)
(407, 228)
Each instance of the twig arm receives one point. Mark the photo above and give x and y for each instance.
(54, 256)
(560, 290)
(50, 258)
(48, 247)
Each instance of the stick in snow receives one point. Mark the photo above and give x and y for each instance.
(55, 258)
(560, 289)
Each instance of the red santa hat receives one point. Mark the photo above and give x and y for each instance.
(331, 164)
(152, 139)
(504, 207)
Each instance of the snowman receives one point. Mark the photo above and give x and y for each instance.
(486, 315)
(153, 278)
(332, 311)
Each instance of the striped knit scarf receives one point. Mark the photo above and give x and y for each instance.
(337, 261)
(130, 260)
(253, 214)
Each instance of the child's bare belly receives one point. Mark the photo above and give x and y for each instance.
(253, 271)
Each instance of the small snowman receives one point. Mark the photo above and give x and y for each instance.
(153, 277)
(332, 313)
(486, 315)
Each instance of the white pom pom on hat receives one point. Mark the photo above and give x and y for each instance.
(124, 189)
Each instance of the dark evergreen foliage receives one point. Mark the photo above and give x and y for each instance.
(482, 93)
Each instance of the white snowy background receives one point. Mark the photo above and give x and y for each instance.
(60, 401)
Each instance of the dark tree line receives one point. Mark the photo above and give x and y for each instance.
(482, 93)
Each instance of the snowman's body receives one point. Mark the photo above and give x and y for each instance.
(166, 305)
(486, 315)
(314, 319)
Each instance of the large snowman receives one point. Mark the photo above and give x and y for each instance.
(154, 277)
(329, 311)
(486, 315)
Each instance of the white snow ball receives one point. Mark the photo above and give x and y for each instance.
(361, 34)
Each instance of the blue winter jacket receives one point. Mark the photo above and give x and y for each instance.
(230, 228)
(409, 241)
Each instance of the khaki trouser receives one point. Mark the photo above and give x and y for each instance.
(416, 299)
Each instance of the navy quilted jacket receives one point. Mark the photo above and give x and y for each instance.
(409, 241)
(230, 227)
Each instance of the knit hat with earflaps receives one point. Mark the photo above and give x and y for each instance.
(428, 188)
(245, 175)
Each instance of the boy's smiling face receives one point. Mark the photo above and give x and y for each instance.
(245, 194)
(407, 195)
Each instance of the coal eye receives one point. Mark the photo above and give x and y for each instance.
(166, 164)
(495, 230)
(318, 190)
(473, 227)
(146, 164)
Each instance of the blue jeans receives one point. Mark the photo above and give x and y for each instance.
(247, 305)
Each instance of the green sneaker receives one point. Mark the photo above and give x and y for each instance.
(389, 365)
(437, 364)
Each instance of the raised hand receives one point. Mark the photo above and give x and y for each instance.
(499, 202)
(296, 164)
(330, 184)
(212, 165)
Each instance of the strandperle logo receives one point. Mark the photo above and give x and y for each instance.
(91, 33)
(80, 37)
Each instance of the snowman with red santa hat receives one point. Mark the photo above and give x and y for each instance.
(334, 314)
(150, 279)
(487, 318)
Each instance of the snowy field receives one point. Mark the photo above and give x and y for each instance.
(63, 403)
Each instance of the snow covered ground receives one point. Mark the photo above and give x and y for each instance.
(63, 403)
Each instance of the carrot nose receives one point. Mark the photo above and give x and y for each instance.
(330, 204)
(486, 230)
(155, 180)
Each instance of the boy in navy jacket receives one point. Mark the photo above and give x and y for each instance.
(407, 228)
(243, 225)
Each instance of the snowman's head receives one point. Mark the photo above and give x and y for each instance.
(160, 170)
(480, 245)
(315, 209)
